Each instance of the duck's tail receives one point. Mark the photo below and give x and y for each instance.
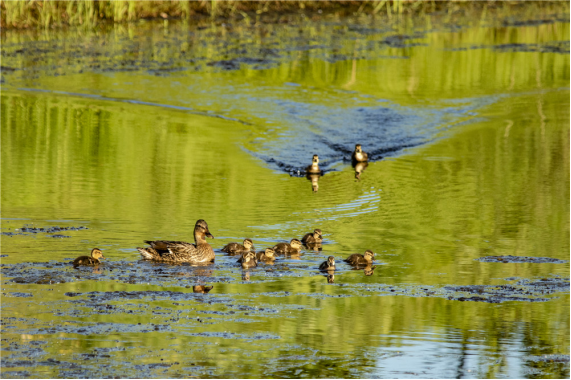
(148, 253)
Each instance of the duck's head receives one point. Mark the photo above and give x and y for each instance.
(269, 252)
(248, 243)
(97, 254)
(369, 255)
(358, 148)
(331, 261)
(201, 227)
(315, 159)
(317, 233)
(295, 244)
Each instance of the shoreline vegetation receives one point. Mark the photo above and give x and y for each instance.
(39, 14)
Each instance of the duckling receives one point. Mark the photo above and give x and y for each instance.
(359, 155)
(234, 248)
(328, 265)
(89, 260)
(267, 255)
(292, 248)
(201, 289)
(312, 237)
(314, 167)
(248, 260)
(180, 251)
(358, 259)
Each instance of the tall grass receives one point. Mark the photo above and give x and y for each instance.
(52, 13)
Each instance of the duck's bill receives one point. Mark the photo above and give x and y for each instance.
(209, 235)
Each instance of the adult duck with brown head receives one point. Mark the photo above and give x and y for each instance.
(182, 252)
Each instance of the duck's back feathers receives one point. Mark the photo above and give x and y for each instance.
(177, 251)
(85, 260)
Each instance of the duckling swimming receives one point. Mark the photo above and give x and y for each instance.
(234, 248)
(266, 256)
(284, 248)
(312, 237)
(359, 155)
(96, 254)
(358, 259)
(180, 251)
(201, 289)
(328, 265)
(248, 260)
(314, 167)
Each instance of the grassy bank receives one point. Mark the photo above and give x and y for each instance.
(44, 13)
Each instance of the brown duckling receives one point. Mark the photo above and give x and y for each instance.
(267, 255)
(359, 155)
(292, 248)
(328, 265)
(234, 248)
(201, 289)
(248, 260)
(358, 259)
(314, 167)
(312, 237)
(180, 251)
(96, 254)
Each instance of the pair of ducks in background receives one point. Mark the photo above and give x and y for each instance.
(358, 159)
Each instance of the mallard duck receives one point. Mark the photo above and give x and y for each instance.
(201, 288)
(233, 248)
(312, 237)
(359, 155)
(248, 260)
(328, 265)
(96, 254)
(180, 251)
(358, 259)
(267, 255)
(284, 248)
(314, 167)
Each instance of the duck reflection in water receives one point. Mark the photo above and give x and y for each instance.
(369, 269)
(330, 278)
(245, 275)
(314, 178)
(359, 168)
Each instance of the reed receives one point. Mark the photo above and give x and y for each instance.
(54, 13)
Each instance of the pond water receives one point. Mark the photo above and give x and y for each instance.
(130, 133)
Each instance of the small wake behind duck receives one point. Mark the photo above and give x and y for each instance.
(331, 132)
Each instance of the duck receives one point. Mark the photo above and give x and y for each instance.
(248, 260)
(284, 248)
(358, 259)
(328, 265)
(312, 237)
(201, 289)
(314, 167)
(96, 254)
(180, 251)
(359, 155)
(267, 255)
(233, 248)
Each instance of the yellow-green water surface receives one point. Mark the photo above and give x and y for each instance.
(125, 134)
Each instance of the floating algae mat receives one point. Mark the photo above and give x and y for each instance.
(122, 134)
